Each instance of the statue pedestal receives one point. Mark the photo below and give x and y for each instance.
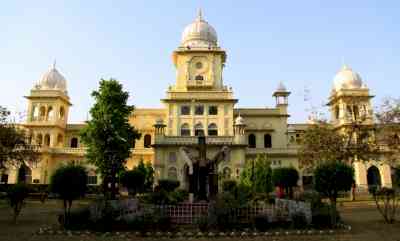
(191, 197)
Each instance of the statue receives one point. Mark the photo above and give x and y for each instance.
(203, 171)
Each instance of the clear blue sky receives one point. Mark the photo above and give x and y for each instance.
(301, 43)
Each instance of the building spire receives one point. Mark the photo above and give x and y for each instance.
(54, 64)
(199, 14)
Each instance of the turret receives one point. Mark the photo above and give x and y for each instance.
(239, 129)
(48, 105)
(281, 96)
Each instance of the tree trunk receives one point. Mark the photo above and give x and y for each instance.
(17, 210)
(333, 211)
(65, 213)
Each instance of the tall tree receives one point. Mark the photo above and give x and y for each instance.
(15, 146)
(257, 174)
(388, 118)
(69, 182)
(108, 135)
(332, 178)
(323, 143)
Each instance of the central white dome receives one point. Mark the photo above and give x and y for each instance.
(346, 78)
(52, 80)
(199, 34)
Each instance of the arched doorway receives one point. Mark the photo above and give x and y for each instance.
(373, 178)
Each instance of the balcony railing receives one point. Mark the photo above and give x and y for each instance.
(273, 151)
(193, 140)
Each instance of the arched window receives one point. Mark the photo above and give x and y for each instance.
(396, 139)
(252, 141)
(356, 112)
(212, 129)
(60, 140)
(61, 113)
(74, 142)
(50, 113)
(42, 113)
(199, 77)
(267, 141)
(185, 130)
(39, 139)
(172, 157)
(147, 141)
(35, 113)
(337, 112)
(47, 140)
(172, 173)
(198, 130)
(226, 173)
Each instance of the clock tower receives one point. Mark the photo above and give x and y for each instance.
(199, 102)
(199, 60)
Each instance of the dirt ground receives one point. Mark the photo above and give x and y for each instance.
(362, 216)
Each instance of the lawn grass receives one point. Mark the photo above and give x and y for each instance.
(362, 216)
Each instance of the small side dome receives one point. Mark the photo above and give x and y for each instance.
(239, 120)
(346, 78)
(281, 87)
(291, 128)
(199, 34)
(52, 80)
(159, 121)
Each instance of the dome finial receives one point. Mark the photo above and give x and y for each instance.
(54, 64)
(199, 14)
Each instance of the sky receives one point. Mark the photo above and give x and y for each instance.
(301, 43)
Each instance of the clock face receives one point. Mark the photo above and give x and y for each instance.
(199, 65)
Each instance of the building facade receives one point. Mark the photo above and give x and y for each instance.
(199, 103)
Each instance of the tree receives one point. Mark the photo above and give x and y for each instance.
(148, 171)
(388, 118)
(387, 203)
(15, 146)
(257, 174)
(332, 178)
(323, 143)
(133, 180)
(108, 135)
(16, 196)
(69, 182)
(286, 178)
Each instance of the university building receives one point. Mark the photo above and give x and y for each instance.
(199, 103)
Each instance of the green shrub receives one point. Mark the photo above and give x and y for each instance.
(161, 220)
(135, 223)
(202, 223)
(332, 178)
(321, 217)
(285, 177)
(178, 196)
(261, 222)
(229, 186)
(16, 195)
(133, 180)
(78, 219)
(299, 220)
(222, 211)
(168, 185)
(312, 197)
(69, 182)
